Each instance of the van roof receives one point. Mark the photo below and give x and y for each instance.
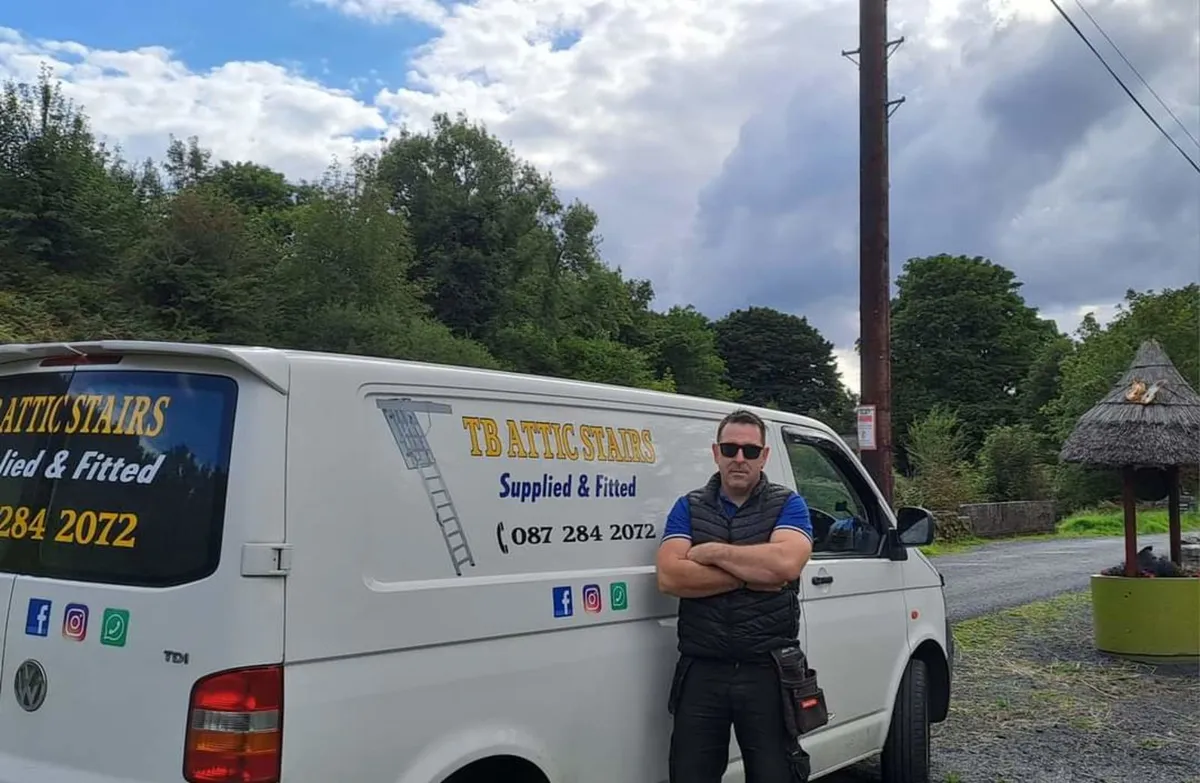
(272, 365)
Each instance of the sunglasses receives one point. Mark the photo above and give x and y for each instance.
(730, 450)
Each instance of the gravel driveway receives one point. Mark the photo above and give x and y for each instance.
(1033, 701)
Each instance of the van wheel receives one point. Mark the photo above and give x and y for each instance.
(905, 756)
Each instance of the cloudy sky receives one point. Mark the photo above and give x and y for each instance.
(710, 135)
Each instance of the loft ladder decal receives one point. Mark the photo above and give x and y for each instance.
(401, 416)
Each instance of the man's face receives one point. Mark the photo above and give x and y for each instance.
(740, 471)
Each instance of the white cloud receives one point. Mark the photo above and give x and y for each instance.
(849, 364)
(242, 110)
(637, 117)
(428, 11)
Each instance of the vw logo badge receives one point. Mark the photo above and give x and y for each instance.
(30, 685)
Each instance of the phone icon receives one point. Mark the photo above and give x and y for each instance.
(114, 629)
(591, 599)
(75, 622)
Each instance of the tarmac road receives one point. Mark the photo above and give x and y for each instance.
(1009, 573)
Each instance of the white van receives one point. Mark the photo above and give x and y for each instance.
(239, 564)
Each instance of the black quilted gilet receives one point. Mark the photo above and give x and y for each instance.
(742, 624)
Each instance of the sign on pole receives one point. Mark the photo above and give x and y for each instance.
(866, 428)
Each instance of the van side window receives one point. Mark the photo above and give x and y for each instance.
(845, 518)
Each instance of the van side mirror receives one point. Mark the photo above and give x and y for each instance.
(914, 526)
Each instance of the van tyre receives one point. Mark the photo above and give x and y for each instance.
(905, 756)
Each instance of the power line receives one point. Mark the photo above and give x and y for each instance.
(1113, 44)
(1132, 97)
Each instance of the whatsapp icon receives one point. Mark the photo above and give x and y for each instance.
(115, 627)
(618, 596)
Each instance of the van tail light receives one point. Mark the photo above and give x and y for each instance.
(235, 727)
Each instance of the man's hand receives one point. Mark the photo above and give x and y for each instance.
(682, 577)
(704, 554)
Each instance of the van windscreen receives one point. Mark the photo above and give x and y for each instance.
(114, 476)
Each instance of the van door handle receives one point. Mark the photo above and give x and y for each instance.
(822, 580)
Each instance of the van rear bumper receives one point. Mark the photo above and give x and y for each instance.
(15, 769)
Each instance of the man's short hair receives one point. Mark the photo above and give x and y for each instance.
(743, 416)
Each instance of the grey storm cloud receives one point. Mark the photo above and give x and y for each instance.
(1025, 151)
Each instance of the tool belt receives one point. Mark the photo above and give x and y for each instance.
(803, 700)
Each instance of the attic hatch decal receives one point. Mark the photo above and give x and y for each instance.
(401, 416)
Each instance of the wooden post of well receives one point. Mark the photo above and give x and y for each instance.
(1175, 522)
(1130, 503)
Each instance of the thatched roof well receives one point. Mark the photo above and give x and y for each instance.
(1151, 418)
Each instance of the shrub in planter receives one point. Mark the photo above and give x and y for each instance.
(1151, 565)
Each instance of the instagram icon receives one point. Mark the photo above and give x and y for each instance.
(591, 599)
(75, 622)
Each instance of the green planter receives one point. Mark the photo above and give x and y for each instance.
(1148, 619)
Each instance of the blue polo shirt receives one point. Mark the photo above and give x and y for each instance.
(794, 516)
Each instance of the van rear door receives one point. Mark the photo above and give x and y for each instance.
(129, 485)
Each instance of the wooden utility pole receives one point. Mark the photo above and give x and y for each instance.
(874, 287)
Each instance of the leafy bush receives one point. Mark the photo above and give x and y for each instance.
(942, 477)
(1010, 465)
(1077, 487)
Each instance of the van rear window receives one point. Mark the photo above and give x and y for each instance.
(114, 476)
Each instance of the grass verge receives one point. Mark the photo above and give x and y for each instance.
(1085, 524)
(1112, 523)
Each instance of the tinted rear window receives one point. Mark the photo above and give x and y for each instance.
(114, 476)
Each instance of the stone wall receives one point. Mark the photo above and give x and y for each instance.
(950, 525)
(994, 520)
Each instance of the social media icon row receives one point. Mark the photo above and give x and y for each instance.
(593, 602)
(114, 626)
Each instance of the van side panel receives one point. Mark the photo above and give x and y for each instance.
(548, 639)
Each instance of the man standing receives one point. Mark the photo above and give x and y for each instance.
(732, 552)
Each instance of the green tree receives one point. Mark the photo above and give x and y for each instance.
(23, 319)
(187, 164)
(781, 359)
(683, 346)
(503, 261)
(482, 224)
(1042, 385)
(1011, 465)
(199, 273)
(65, 206)
(341, 283)
(70, 210)
(962, 337)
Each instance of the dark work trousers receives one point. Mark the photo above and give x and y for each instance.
(712, 696)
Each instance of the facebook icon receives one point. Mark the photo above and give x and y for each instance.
(37, 619)
(562, 602)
